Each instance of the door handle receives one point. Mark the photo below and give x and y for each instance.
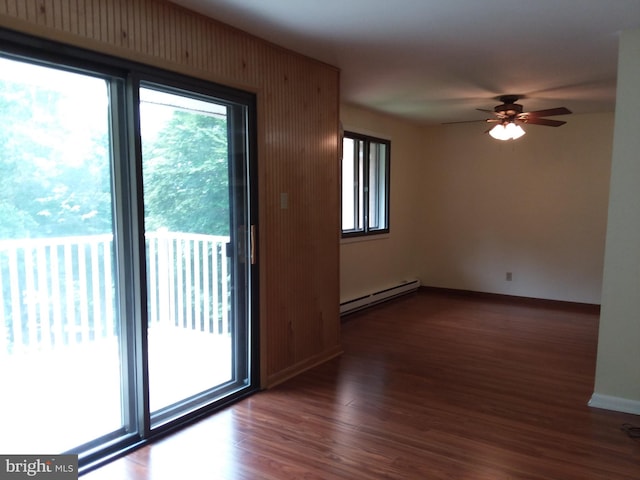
(253, 245)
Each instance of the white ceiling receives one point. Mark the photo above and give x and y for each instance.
(436, 61)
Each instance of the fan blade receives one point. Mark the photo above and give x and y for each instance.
(549, 112)
(485, 110)
(488, 120)
(542, 121)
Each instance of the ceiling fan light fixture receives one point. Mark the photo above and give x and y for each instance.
(516, 131)
(499, 132)
(508, 131)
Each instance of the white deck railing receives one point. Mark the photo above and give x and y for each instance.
(57, 291)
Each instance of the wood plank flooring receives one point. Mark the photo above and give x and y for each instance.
(431, 386)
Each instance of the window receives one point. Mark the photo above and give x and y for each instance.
(365, 185)
(125, 220)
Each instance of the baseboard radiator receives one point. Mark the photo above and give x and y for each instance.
(365, 301)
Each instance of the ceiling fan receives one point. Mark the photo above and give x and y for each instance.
(509, 115)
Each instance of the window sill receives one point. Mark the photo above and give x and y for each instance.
(365, 238)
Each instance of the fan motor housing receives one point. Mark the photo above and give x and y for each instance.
(508, 109)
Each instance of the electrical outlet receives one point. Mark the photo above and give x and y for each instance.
(509, 277)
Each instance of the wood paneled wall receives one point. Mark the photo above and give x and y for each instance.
(298, 103)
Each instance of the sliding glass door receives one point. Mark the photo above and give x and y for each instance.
(195, 335)
(126, 272)
(60, 355)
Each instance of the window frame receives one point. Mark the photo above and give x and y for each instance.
(362, 191)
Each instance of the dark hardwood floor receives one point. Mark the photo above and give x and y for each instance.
(431, 386)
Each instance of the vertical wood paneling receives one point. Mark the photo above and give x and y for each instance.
(80, 21)
(91, 20)
(22, 8)
(297, 150)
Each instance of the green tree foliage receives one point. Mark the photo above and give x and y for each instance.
(55, 165)
(16, 220)
(186, 176)
(48, 186)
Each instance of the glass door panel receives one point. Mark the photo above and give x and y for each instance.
(192, 348)
(60, 355)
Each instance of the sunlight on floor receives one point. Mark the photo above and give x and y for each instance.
(56, 399)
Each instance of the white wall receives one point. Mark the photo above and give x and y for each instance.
(617, 384)
(466, 209)
(535, 207)
(368, 266)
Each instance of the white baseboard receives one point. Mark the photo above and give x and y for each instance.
(402, 288)
(616, 404)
